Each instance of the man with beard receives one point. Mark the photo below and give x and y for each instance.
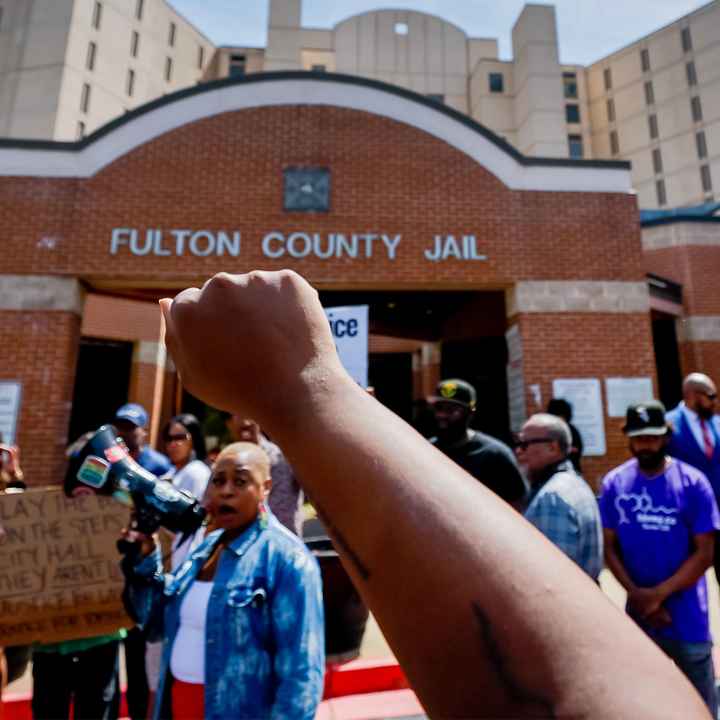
(482, 456)
(659, 517)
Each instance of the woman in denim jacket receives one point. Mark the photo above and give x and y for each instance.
(242, 618)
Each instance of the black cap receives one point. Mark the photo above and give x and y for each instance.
(646, 419)
(454, 390)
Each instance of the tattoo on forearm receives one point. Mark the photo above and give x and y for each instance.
(338, 539)
(533, 705)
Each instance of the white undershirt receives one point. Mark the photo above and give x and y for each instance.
(187, 661)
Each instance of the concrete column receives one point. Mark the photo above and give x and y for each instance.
(430, 356)
(40, 320)
(537, 82)
(582, 330)
(284, 43)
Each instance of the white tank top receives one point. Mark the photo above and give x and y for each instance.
(187, 661)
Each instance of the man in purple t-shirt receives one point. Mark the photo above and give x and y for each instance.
(659, 517)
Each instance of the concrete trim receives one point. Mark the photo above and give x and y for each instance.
(41, 292)
(680, 234)
(698, 328)
(149, 352)
(515, 171)
(586, 296)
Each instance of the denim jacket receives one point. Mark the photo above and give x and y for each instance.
(264, 640)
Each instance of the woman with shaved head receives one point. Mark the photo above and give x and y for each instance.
(242, 617)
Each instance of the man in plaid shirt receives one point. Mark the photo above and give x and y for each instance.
(561, 504)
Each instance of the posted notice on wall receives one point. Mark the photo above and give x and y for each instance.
(60, 577)
(515, 379)
(623, 392)
(10, 394)
(584, 396)
(349, 326)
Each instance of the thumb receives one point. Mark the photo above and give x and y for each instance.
(171, 340)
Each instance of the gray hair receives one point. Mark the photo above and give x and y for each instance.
(556, 428)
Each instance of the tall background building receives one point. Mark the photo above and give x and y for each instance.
(69, 66)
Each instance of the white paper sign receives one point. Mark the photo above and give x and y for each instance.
(10, 393)
(349, 326)
(515, 379)
(622, 392)
(584, 396)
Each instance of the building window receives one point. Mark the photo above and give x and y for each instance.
(85, 98)
(134, 44)
(201, 57)
(496, 82)
(696, 109)
(575, 145)
(130, 82)
(572, 113)
(691, 73)
(168, 69)
(97, 15)
(706, 178)
(660, 191)
(653, 127)
(611, 110)
(238, 65)
(686, 40)
(80, 130)
(570, 87)
(91, 52)
(607, 77)
(701, 144)
(649, 93)
(171, 34)
(139, 4)
(645, 60)
(319, 68)
(436, 97)
(657, 161)
(401, 28)
(614, 144)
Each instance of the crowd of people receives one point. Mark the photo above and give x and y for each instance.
(230, 620)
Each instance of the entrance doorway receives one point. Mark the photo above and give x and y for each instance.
(102, 381)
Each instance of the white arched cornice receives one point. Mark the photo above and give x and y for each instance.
(89, 156)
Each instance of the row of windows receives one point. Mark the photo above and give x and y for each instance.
(139, 8)
(705, 182)
(700, 145)
(685, 41)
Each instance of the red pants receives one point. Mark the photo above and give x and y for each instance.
(188, 701)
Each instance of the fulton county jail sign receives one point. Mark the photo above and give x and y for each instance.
(276, 245)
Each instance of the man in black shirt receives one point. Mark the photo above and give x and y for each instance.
(484, 457)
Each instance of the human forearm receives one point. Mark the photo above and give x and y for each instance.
(615, 565)
(380, 512)
(688, 573)
(487, 618)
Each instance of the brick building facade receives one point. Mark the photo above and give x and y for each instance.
(548, 251)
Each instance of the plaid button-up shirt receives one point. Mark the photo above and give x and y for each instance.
(565, 510)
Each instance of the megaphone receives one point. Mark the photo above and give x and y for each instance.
(103, 464)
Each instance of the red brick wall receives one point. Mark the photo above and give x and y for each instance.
(40, 350)
(581, 345)
(225, 172)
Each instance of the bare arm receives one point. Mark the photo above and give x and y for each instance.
(614, 561)
(693, 568)
(484, 614)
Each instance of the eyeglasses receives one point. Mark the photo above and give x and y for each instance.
(525, 444)
(176, 438)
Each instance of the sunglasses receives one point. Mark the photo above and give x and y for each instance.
(525, 444)
(176, 438)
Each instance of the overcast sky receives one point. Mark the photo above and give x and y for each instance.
(588, 29)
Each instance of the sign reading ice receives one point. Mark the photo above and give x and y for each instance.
(296, 245)
(349, 327)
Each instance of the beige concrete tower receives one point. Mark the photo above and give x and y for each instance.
(537, 83)
(285, 41)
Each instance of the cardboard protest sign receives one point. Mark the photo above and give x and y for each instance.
(59, 567)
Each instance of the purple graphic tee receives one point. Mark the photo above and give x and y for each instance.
(655, 520)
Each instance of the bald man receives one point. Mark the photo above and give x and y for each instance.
(695, 435)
